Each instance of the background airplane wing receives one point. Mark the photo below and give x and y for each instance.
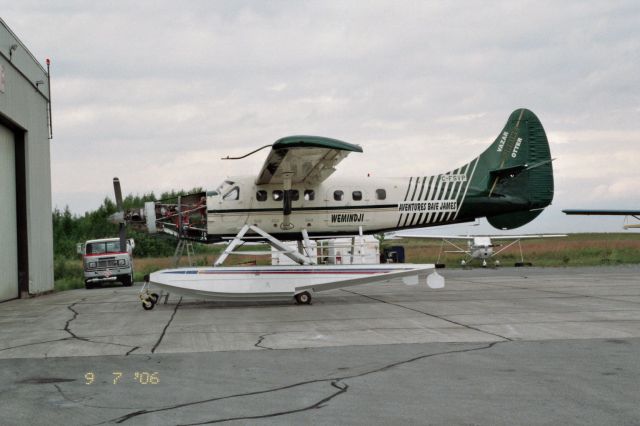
(604, 212)
(471, 237)
(434, 237)
(308, 159)
(520, 237)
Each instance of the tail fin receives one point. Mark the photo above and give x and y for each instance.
(512, 180)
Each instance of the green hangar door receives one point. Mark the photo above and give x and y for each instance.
(8, 224)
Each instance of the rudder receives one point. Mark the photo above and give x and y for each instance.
(514, 176)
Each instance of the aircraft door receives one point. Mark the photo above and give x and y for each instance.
(8, 215)
(233, 206)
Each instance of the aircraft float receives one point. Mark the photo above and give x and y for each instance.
(292, 198)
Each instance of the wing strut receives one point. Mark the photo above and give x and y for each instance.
(274, 242)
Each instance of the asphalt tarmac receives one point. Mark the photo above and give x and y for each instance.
(526, 346)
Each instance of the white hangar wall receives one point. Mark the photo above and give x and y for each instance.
(26, 246)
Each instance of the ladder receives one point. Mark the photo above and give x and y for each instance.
(180, 248)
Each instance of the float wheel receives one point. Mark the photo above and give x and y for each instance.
(303, 298)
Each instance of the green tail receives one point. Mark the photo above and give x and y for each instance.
(512, 181)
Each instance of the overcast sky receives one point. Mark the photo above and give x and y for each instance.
(155, 92)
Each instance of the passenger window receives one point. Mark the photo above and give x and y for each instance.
(295, 195)
(232, 195)
(356, 195)
(309, 195)
(277, 195)
(338, 195)
(381, 194)
(261, 195)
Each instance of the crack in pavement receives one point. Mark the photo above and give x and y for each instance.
(65, 396)
(261, 339)
(333, 380)
(75, 315)
(430, 315)
(319, 404)
(129, 353)
(73, 336)
(153, 350)
(35, 343)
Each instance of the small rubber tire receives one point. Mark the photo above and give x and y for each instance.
(148, 305)
(303, 298)
(154, 298)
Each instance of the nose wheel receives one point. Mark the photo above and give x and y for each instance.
(303, 298)
(148, 299)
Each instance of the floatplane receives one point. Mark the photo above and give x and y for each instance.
(293, 199)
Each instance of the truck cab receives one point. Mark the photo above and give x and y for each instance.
(103, 261)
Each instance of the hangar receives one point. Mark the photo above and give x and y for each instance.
(26, 249)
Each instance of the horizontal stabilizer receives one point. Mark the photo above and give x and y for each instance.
(603, 212)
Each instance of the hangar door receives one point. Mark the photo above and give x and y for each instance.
(8, 224)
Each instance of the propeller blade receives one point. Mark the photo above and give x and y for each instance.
(118, 192)
(122, 231)
(123, 237)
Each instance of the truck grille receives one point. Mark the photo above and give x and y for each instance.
(103, 264)
(106, 263)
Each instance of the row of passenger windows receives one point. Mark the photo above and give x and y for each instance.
(310, 195)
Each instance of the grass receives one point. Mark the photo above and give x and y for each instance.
(574, 250)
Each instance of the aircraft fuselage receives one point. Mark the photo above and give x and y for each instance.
(338, 206)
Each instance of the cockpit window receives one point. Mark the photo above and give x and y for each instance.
(232, 195)
(224, 186)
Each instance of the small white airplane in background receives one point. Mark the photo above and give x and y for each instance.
(292, 198)
(480, 247)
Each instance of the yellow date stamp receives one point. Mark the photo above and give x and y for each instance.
(117, 377)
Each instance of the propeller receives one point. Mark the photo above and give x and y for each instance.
(118, 217)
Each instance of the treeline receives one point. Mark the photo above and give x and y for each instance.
(70, 229)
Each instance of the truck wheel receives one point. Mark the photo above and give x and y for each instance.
(88, 285)
(127, 280)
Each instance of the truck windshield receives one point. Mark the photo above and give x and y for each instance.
(103, 247)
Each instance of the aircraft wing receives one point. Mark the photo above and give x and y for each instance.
(434, 237)
(520, 237)
(308, 159)
(471, 237)
(603, 212)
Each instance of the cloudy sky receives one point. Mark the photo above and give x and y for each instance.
(155, 92)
